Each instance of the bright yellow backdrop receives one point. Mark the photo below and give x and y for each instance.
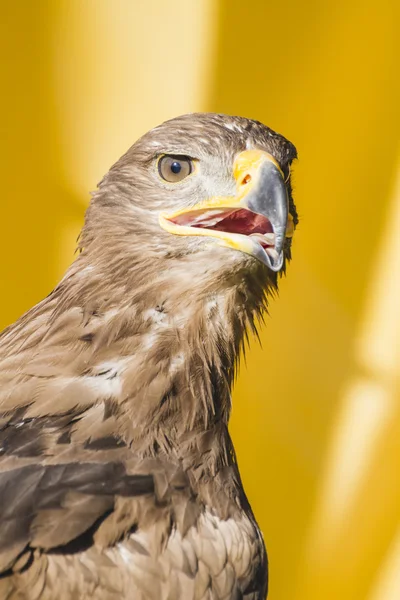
(316, 411)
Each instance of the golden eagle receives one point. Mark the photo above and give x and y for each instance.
(118, 477)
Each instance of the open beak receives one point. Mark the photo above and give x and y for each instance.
(255, 221)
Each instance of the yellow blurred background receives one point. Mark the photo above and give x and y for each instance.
(316, 417)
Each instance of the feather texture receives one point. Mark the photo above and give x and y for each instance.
(118, 478)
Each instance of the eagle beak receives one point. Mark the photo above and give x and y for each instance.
(255, 221)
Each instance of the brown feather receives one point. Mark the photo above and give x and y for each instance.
(118, 477)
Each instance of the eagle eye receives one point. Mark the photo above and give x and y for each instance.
(174, 168)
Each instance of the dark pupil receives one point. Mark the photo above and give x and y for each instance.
(176, 167)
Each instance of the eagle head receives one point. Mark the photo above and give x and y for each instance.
(210, 191)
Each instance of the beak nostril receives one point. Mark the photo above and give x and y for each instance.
(246, 179)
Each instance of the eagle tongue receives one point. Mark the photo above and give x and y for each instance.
(245, 222)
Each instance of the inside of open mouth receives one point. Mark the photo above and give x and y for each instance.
(230, 220)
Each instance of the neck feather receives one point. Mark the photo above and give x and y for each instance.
(156, 339)
(175, 327)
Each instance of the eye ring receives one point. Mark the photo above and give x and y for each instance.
(174, 168)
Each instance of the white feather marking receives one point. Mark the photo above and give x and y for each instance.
(85, 270)
(215, 302)
(230, 126)
(211, 303)
(176, 362)
(104, 387)
(109, 314)
(157, 316)
(105, 378)
(126, 554)
(149, 340)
